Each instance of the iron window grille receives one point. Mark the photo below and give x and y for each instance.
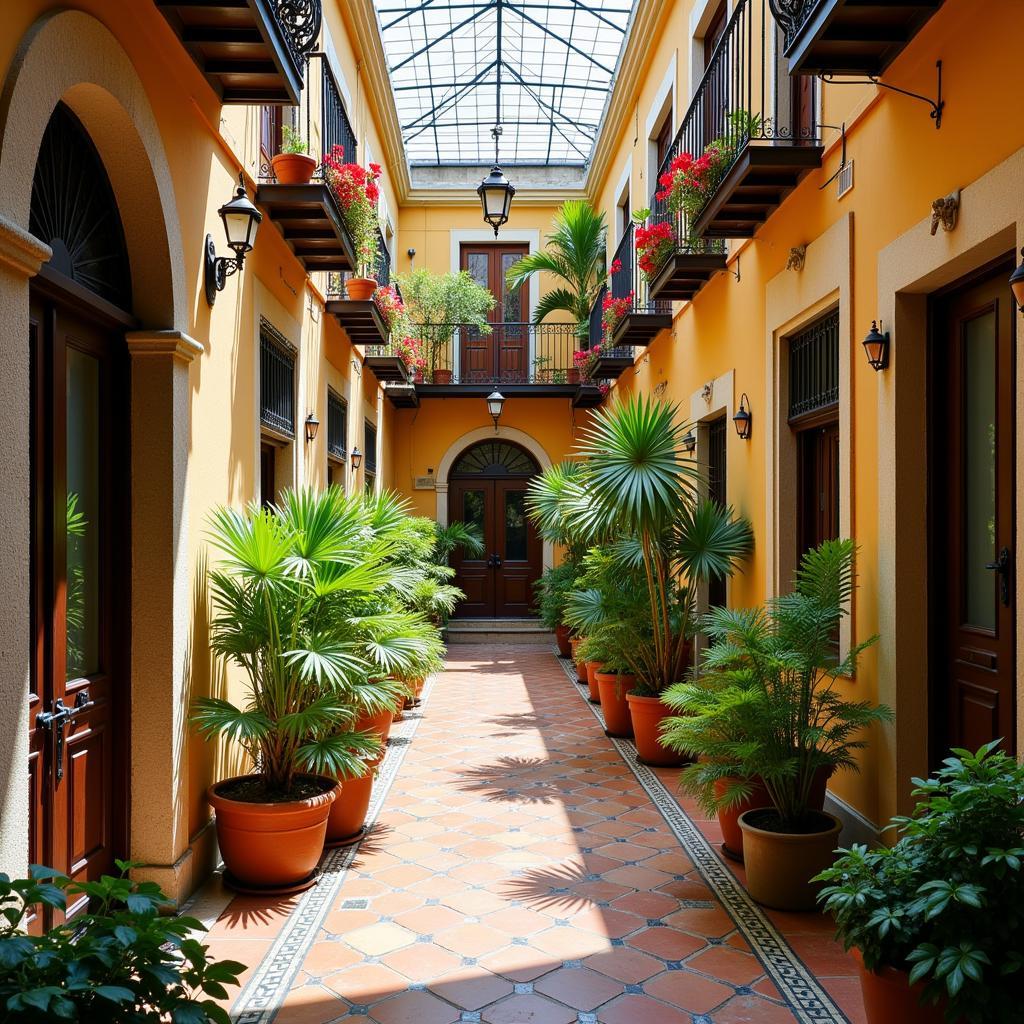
(277, 380)
(337, 427)
(814, 367)
(370, 447)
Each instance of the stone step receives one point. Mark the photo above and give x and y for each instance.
(499, 631)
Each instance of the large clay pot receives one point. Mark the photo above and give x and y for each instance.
(272, 847)
(819, 785)
(562, 638)
(780, 866)
(729, 817)
(442, 376)
(581, 666)
(595, 693)
(348, 812)
(293, 168)
(647, 714)
(379, 723)
(889, 998)
(360, 289)
(612, 688)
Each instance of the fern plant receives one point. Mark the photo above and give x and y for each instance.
(766, 702)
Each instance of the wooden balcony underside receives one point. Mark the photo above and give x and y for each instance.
(387, 368)
(310, 221)
(685, 273)
(361, 320)
(613, 362)
(639, 328)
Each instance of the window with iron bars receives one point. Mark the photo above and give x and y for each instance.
(369, 455)
(277, 380)
(814, 367)
(337, 427)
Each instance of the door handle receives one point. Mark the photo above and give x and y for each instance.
(494, 562)
(1002, 566)
(55, 720)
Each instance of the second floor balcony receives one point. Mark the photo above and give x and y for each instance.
(628, 313)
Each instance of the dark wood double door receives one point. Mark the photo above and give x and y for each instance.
(973, 479)
(499, 583)
(80, 555)
(502, 354)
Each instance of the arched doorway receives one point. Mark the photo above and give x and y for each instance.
(80, 548)
(487, 487)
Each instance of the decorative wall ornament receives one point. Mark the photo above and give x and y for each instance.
(708, 392)
(660, 389)
(945, 211)
(797, 258)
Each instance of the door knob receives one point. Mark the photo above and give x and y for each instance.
(1002, 566)
(494, 562)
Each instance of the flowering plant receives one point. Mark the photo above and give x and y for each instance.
(585, 361)
(356, 191)
(612, 312)
(410, 351)
(654, 244)
(391, 308)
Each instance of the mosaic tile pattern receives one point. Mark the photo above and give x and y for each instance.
(521, 868)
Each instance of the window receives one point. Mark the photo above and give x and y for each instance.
(277, 381)
(369, 456)
(337, 438)
(268, 462)
(625, 216)
(271, 120)
(813, 415)
(663, 140)
(716, 435)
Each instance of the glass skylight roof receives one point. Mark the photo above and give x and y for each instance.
(552, 60)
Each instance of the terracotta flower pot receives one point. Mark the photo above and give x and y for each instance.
(647, 714)
(613, 687)
(380, 723)
(595, 693)
(573, 376)
(780, 865)
(417, 376)
(442, 376)
(360, 289)
(562, 637)
(728, 817)
(581, 666)
(889, 998)
(348, 812)
(272, 847)
(293, 168)
(418, 685)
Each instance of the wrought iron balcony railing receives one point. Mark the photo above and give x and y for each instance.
(750, 132)
(641, 315)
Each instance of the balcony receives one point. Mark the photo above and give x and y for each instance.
(848, 37)
(644, 316)
(307, 214)
(361, 320)
(755, 130)
(251, 51)
(612, 362)
(522, 359)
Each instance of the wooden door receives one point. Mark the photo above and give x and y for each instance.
(973, 500)
(80, 554)
(472, 501)
(817, 485)
(517, 548)
(502, 355)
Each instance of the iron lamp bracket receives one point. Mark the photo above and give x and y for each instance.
(937, 104)
(217, 270)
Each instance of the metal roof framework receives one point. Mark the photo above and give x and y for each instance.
(544, 68)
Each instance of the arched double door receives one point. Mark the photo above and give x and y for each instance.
(487, 488)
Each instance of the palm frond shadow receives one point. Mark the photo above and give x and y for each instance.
(551, 888)
(510, 780)
(374, 838)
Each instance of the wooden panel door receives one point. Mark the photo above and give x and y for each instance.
(973, 561)
(518, 550)
(502, 355)
(80, 553)
(472, 501)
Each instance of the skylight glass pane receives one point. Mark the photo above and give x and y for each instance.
(554, 69)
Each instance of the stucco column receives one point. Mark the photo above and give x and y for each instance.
(161, 437)
(21, 255)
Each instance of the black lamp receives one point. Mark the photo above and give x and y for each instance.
(357, 458)
(1017, 284)
(495, 400)
(312, 426)
(496, 191)
(689, 442)
(876, 345)
(241, 221)
(742, 418)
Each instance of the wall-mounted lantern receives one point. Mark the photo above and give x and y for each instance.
(876, 345)
(357, 459)
(495, 401)
(312, 426)
(241, 221)
(742, 418)
(689, 442)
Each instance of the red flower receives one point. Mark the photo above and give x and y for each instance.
(615, 267)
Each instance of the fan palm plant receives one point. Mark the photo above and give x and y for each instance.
(575, 253)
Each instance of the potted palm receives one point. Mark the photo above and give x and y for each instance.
(293, 165)
(551, 594)
(440, 304)
(280, 594)
(640, 491)
(357, 193)
(936, 919)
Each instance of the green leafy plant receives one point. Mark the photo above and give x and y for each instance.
(766, 702)
(575, 254)
(551, 593)
(121, 961)
(946, 902)
(292, 141)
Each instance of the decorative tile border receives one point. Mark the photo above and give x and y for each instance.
(802, 992)
(271, 982)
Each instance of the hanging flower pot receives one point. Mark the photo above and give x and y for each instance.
(293, 168)
(360, 289)
(612, 688)
(647, 714)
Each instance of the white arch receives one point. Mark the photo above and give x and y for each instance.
(69, 56)
(519, 437)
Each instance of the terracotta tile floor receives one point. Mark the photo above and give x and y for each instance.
(518, 871)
